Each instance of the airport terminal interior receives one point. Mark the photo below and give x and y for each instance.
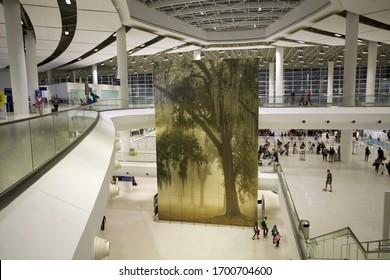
(93, 178)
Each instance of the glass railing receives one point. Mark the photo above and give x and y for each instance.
(325, 101)
(338, 245)
(296, 224)
(28, 144)
(114, 104)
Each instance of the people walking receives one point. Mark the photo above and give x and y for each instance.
(256, 231)
(328, 181)
(39, 103)
(381, 154)
(276, 239)
(55, 101)
(367, 153)
(264, 226)
(274, 230)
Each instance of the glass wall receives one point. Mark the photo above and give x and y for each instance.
(316, 80)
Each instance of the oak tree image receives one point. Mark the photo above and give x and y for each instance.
(219, 98)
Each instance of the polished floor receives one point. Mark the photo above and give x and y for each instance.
(356, 201)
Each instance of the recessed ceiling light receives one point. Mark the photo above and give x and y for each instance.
(259, 9)
(337, 35)
(68, 2)
(102, 64)
(143, 45)
(114, 35)
(79, 58)
(301, 42)
(96, 50)
(215, 28)
(365, 52)
(202, 13)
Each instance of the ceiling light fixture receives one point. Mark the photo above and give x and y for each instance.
(143, 45)
(68, 2)
(114, 35)
(96, 50)
(66, 31)
(337, 35)
(259, 9)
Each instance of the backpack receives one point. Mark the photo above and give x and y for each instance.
(263, 224)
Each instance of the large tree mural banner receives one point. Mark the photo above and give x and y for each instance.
(206, 122)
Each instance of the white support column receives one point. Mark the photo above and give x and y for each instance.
(31, 65)
(350, 55)
(94, 74)
(371, 70)
(16, 57)
(386, 216)
(198, 54)
(49, 77)
(125, 141)
(271, 82)
(329, 92)
(279, 75)
(346, 145)
(122, 67)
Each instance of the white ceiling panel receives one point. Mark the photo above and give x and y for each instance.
(332, 41)
(47, 33)
(46, 45)
(362, 7)
(186, 49)
(288, 44)
(136, 37)
(94, 37)
(109, 50)
(49, 3)
(80, 47)
(98, 21)
(307, 36)
(164, 44)
(378, 35)
(44, 16)
(96, 5)
(335, 24)
(382, 16)
(239, 48)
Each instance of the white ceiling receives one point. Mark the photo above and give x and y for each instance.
(97, 20)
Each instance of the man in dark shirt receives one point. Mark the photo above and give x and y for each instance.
(328, 181)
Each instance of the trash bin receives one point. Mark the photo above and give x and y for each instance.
(358, 102)
(305, 224)
(33, 108)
